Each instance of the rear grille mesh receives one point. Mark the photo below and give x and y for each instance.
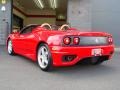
(93, 41)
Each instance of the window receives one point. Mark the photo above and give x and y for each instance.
(28, 29)
(17, 21)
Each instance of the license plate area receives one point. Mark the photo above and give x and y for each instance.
(96, 52)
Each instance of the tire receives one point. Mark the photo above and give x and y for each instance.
(44, 57)
(10, 48)
(96, 61)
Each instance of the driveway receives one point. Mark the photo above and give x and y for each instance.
(19, 73)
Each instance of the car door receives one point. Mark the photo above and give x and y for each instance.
(26, 41)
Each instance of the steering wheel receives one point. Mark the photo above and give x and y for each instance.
(63, 27)
(46, 25)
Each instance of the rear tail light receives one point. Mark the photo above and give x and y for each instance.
(67, 41)
(76, 40)
(110, 40)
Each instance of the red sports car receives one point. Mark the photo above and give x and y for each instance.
(60, 47)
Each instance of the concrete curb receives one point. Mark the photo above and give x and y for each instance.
(117, 49)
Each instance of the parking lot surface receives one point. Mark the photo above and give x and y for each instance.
(19, 73)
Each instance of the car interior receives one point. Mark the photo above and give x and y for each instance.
(47, 26)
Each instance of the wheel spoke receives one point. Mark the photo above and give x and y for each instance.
(43, 52)
(42, 60)
(46, 60)
(46, 53)
(43, 57)
(10, 47)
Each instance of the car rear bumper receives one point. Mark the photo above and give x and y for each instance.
(79, 53)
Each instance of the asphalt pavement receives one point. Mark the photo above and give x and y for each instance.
(19, 73)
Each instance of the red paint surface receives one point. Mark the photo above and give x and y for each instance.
(26, 45)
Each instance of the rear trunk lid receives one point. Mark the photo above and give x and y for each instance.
(89, 38)
(90, 33)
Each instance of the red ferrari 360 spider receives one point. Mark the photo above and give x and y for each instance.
(60, 47)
